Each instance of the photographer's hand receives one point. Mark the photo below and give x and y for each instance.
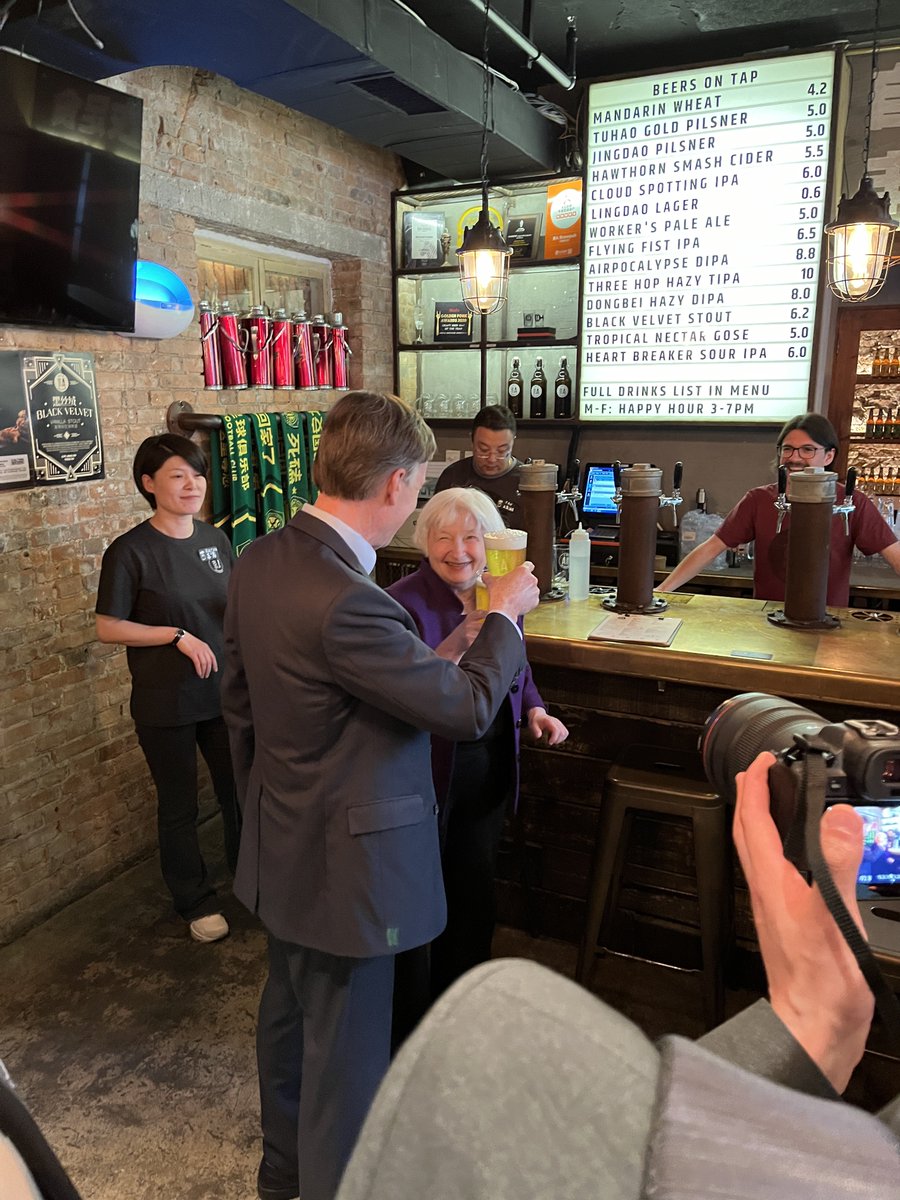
(815, 985)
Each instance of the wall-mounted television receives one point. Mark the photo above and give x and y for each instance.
(70, 162)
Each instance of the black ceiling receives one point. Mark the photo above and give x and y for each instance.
(303, 53)
(617, 37)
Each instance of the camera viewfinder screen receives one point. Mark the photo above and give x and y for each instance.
(891, 773)
(879, 870)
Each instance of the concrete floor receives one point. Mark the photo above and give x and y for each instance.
(133, 1046)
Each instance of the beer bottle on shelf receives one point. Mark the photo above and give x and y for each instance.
(895, 362)
(870, 425)
(538, 391)
(562, 392)
(877, 361)
(895, 424)
(514, 389)
(879, 426)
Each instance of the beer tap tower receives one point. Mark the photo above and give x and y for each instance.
(809, 495)
(537, 492)
(639, 499)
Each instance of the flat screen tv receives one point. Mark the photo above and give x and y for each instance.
(70, 163)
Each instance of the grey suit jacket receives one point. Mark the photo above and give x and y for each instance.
(330, 698)
(520, 1085)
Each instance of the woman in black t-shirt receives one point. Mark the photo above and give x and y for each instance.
(162, 595)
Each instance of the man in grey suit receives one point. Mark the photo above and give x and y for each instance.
(331, 697)
(519, 1085)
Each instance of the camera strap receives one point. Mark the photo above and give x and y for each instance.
(812, 806)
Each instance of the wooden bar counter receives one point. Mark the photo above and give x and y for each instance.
(615, 695)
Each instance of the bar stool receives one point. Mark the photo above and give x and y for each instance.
(647, 779)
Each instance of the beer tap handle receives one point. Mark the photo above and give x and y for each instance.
(847, 507)
(677, 475)
(781, 502)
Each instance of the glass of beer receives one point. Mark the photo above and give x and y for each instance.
(504, 551)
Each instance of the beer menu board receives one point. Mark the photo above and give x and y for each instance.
(706, 195)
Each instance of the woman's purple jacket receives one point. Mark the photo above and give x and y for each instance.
(437, 611)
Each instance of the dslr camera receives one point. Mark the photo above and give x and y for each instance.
(862, 768)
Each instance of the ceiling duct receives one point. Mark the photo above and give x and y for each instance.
(365, 66)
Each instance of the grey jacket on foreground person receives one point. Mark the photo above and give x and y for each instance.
(520, 1086)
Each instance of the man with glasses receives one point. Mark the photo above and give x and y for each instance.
(492, 467)
(808, 440)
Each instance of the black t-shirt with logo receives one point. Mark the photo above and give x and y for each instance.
(155, 579)
(502, 489)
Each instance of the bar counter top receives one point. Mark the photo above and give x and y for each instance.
(727, 642)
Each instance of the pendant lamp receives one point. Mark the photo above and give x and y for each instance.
(484, 255)
(860, 239)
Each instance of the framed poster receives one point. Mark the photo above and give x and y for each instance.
(49, 419)
(452, 321)
(522, 235)
(707, 191)
(422, 239)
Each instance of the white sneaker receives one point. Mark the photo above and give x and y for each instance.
(209, 929)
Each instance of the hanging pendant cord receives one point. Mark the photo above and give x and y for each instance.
(871, 102)
(485, 96)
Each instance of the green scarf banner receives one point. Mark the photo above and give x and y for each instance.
(293, 440)
(243, 492)
(220, 481)
(271, 496)
(314, 423)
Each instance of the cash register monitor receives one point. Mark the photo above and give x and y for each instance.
(597, 490)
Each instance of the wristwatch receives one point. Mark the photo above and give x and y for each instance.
(179, 634)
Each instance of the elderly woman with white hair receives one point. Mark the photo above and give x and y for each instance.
(474, 781)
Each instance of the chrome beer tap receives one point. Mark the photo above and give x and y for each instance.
(847, 507)
(676, 498)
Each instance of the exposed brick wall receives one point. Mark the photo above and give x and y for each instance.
(78, 802)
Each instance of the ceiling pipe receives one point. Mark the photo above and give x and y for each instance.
(535, 56)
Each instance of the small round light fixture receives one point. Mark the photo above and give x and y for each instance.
(163, 307)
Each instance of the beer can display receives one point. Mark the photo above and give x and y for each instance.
(257, 325)
(282, 350)
(340, 352)
(232, 344)
(209, 344)
(321, 336)
(304, 357)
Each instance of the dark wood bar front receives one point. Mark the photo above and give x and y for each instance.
(615, 695)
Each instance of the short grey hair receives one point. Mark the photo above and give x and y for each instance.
(443, 507)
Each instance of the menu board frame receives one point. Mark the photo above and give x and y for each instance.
(624, 391)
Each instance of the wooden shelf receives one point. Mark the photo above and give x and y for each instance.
(857, 439)
(869, 379)
(516, 264)
(555, 344)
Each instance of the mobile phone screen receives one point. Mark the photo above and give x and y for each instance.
(879, 871)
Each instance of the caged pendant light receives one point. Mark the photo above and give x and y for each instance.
(484, 255)
(860, 238)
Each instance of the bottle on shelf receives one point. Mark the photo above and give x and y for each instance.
(514, 390)
(870, 425)
(538, 391)
(879, 426)
(562, 392)
(877, 361)
(894, 435)
(895, 363)
(579, 564)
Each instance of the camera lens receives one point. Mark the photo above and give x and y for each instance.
(743, 727)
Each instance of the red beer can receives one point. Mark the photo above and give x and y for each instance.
(340, 351)
(321, 336)
(209, 344)
(232, 344)
(303, 351)
(258, 327)
(282, 350)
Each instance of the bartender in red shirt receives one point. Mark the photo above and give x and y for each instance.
(808, 440)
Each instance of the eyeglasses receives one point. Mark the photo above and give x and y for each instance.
(872, 615)
(802, 451)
